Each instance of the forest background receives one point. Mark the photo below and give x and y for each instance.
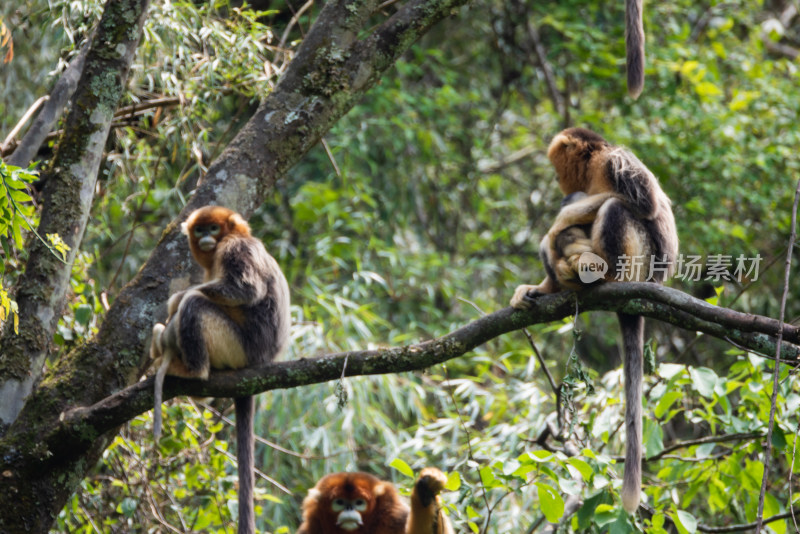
(419, 212)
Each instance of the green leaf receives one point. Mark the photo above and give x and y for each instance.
(685, 522)
(622, 524)
(83, 314)
(127, 506)
(487, 476)
(704, 380)
(707, 89)
(771, 508)
(586, 513)
(583, 467)
(778, 438)
(666, 402)
(550, 502)
(540, 456)
(403, 467)
(453, 481)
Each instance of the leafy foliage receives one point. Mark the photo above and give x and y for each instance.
(16, 212)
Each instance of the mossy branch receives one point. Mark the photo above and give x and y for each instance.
(753, 332)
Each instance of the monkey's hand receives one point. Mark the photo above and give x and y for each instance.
(569, 248)
(579, 213)
(173, 303)
(430, 483)
(524, 295)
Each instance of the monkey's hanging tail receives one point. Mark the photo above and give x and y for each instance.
(245, 407)
(634, 46)
(159, 395)
(632, 327)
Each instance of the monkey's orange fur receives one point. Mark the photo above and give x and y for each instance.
(238, 317)
(383, 510)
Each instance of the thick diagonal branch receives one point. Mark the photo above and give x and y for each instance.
(68, 196)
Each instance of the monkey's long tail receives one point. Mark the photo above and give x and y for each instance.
(245, 407)
(632, 327)
(634, 46)
(159, 395)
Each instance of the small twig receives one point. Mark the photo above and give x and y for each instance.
(89, 519)
(740, 436)
(746, 526)
(151, 499)
(556, 389)
(705, 18)
(24, 120)
(330, 157)
(386, 4)
(139, 108)
(547, 70)
(466, 301)
(293, 21)
(260, 473)
(754, 351)
(750, 283)
(539, 357)
(776, 371)
(690, 459)
(791, 471)
(491, 167)
(235, 460)
(266, 442)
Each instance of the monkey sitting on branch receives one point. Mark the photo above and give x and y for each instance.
(627, 217)
(237, 318)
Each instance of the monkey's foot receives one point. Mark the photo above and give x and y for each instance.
(524, 295)
(178, 368)
(576, 247)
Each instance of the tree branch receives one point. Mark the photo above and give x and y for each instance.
(68, 196)
(741, 436)
(26, 149)
(667, 304)
(745, 526)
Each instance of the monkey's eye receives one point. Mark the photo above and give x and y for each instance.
(213, 228)
(338, 505)
(360, 505)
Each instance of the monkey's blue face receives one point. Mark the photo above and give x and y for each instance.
(349, 511)
(207, 235)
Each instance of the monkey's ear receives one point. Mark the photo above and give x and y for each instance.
(236, 222)
(184, 228)
(380, 489)
(314, 494)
